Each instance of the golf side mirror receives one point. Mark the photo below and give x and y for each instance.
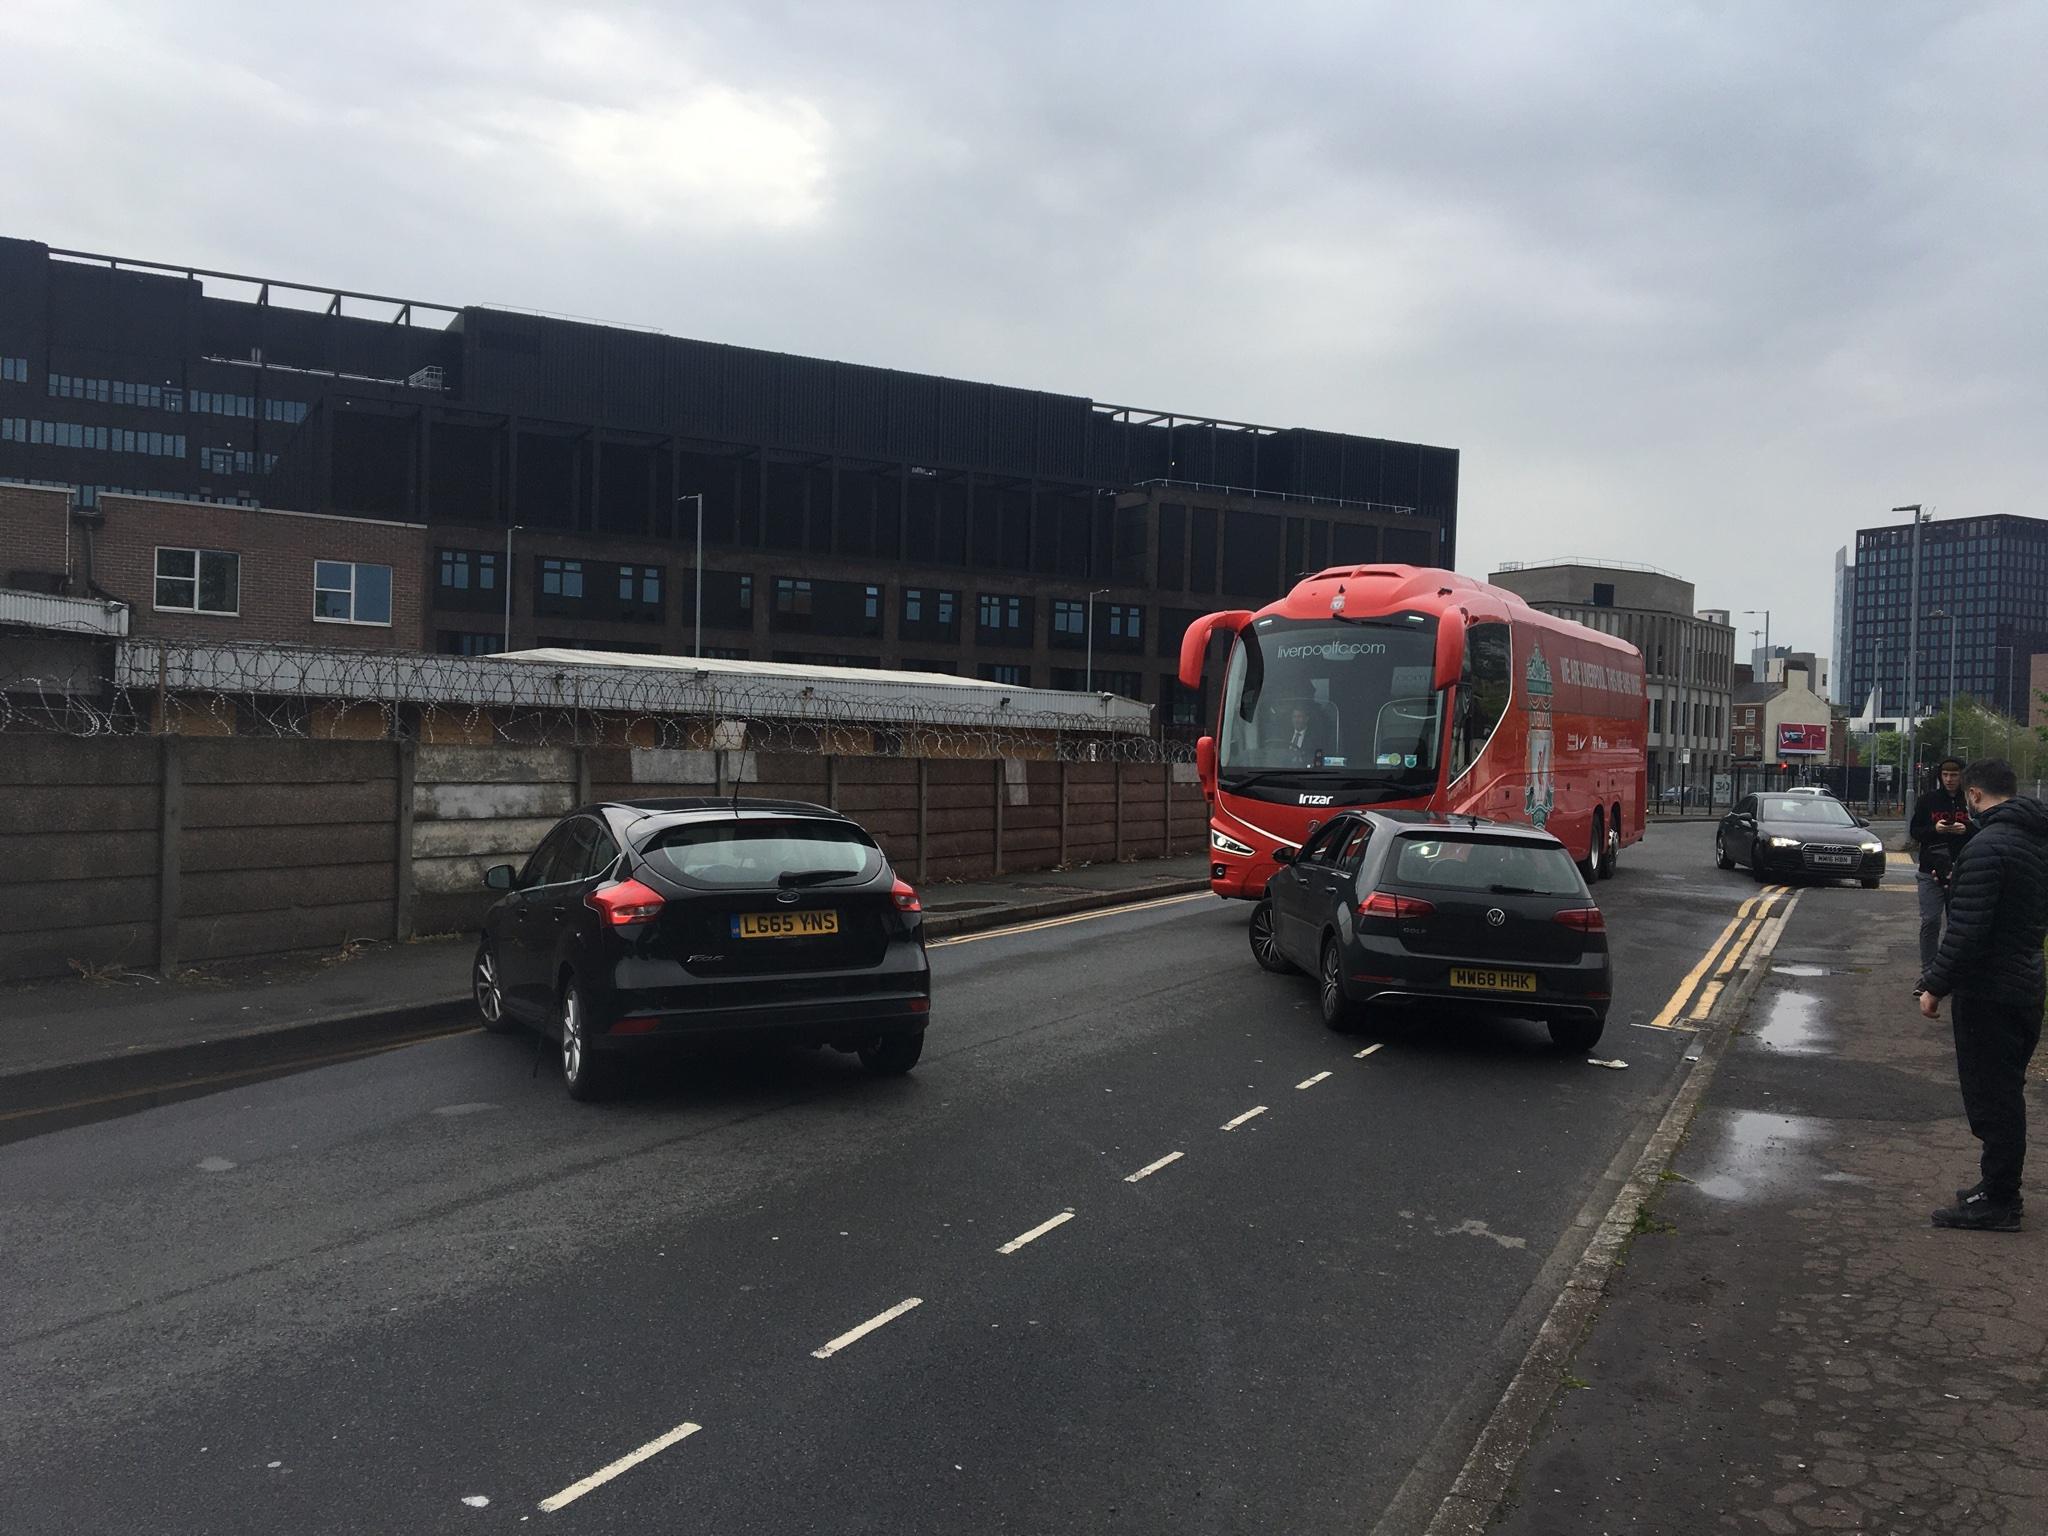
(500, 877)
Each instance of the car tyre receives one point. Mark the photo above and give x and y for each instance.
(587, 1074)
(1721, 859)
(488, 989)
(1873, 882)
(1265, 947)
(1576, 1036)
(893, 1055)
(1756, 868)
(1339, 1012)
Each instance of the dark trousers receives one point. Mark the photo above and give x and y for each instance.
(1994, 1043)
(1933, 903)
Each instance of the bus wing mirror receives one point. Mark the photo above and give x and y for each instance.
(1194, 642)
(1450, 650)
(1205, 765)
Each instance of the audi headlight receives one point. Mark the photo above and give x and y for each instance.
(1223, 844)
(1784, 842)
(1873, 846)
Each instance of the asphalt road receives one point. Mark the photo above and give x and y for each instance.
(370, 1297)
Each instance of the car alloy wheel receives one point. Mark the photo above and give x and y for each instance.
(489, 991)
(1265, 948)
(1338, 1012)
(1721, 859)
(586, 1074)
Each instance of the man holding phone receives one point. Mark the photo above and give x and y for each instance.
(1940, 826)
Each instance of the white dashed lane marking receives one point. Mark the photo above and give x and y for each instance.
(1231, 1125)
(1036, 1232)
(1311, 1082)
(625, 1463)
(1152, 1168)
(1361, 1055)
(879, 1320)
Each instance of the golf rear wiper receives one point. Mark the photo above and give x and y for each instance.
(1514, 890)
(792, 877)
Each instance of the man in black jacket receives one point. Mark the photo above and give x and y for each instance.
(1940, 825)
(1990, 962)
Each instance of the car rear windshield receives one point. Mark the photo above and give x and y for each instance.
(1495, 865)
(752, 853)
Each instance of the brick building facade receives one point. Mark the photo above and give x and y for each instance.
(226, 574)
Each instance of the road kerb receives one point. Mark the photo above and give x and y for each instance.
(1475, 1495)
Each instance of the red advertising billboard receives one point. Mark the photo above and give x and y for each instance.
(1802, 741)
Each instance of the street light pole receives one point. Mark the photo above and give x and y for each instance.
(698, 560)
(1089, 685)
(1750, 613)
(506, 577)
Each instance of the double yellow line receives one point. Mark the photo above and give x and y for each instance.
(1704, 983)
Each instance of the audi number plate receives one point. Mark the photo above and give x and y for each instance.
(785, 925)
(1834, 860)
(1494, 981)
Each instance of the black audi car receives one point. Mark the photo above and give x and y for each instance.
(638, 925)
(1812, 836)
(1405, 910)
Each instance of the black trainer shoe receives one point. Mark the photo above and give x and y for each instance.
(2019, 1202)
(1980, 1213)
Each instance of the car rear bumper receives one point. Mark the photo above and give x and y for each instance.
(1396, 978)
(1522, 1005)
(842, 1021)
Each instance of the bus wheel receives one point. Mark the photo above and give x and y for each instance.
(1593, 863)
(1610, 846)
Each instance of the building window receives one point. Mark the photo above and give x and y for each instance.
(1603, 594)
(871, 603)
(1069, 618)
(465, 643)
(562, 578)
(792, 597)
(199, 581)
(1004, 620)
(640, 584)
(464, 570)
(1010, 676)
(346, 592)
(213, 403)
(930, 613)
(1127, 623)
(13, 370)
(291, 412)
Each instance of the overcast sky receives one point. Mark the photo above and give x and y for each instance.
(1701, 286)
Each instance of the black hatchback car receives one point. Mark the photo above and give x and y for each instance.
(1816, 836)
(1400, 909)
(637, 925)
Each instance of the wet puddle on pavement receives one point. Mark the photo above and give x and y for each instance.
(1755, 1154)
(1792, 1025)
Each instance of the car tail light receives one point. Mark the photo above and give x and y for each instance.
(920, 1005)
(1585, 919)
(906, 897)
(1386, 904)
(632, 1027)
(625, 904)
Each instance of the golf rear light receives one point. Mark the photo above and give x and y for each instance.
(1386, 904)
(906, 897)
(1585, 919)
(625, 904)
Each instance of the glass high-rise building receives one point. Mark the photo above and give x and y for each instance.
(1988, 579)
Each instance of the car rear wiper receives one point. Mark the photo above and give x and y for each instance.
(1515, 890)
(793, 877)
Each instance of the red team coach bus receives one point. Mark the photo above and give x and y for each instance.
(1401, 686)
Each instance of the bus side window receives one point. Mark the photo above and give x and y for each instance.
(1483, 693)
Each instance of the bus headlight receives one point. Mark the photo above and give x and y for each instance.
(1223, 844)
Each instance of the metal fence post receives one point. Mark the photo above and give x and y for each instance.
(402, 892)
(582, 776)
(832, 781)
(170, 850)
(1166, 811)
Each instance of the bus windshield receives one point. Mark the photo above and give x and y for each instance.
(1331, 700)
